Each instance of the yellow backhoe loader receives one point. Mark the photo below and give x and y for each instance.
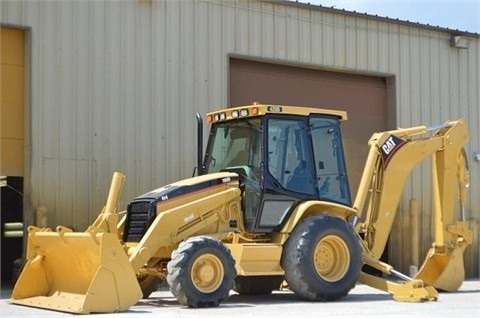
(270, 206)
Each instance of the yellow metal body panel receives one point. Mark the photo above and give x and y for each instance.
(107, 220)
(79, 272)
(200, 213)
(255, 259)
(413, 292)
(315, 207)
(76, 272)
(443, 267)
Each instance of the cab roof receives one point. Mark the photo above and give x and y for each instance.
(262, 109)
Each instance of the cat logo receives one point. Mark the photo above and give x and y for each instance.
(389, 147)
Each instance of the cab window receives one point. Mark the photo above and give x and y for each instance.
(289, 154)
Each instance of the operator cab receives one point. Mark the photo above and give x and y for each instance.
(283, 158)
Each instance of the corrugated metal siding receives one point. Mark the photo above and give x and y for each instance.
(115, 84)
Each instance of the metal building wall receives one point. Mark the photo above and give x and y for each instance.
(114, 86)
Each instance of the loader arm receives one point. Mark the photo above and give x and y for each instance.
(107, 220)
(392, 157)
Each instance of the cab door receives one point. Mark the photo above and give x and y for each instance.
(329, 160)
(289, 173)
(304, 160)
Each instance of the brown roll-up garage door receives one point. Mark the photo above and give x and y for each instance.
(363, 97)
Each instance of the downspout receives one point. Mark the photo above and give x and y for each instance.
(200, 167)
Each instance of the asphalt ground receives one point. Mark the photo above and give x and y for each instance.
(362, 301)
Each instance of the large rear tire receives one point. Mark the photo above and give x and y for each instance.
(201, 272)
(322, 258)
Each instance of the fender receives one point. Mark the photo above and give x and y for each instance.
(307, 208)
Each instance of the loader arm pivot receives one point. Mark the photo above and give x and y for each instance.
(392, 156)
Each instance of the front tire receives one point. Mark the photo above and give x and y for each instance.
(322, 258)
(201, 272)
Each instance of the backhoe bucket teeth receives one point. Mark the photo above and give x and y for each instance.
(443, 271)
(77, 272)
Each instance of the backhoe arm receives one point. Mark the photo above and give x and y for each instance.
(392, 157)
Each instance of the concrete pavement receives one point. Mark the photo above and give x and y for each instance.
(363, 301)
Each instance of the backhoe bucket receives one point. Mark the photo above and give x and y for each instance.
(77, 272)
(443, 271)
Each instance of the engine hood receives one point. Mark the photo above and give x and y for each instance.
(187, 186)
(142, 210)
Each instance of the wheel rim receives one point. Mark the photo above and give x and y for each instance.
(207, 273)
(331, 258)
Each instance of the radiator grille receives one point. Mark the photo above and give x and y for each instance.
(139, 216)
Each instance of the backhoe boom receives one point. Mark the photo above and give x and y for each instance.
(392, 157)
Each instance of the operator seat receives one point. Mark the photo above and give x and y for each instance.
(300, 180)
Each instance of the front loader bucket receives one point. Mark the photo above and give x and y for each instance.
(444, 271)
(77, 272)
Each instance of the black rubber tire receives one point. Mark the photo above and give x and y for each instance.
(180, 274)
(304, 252)
(148, 284)
(257, 285)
